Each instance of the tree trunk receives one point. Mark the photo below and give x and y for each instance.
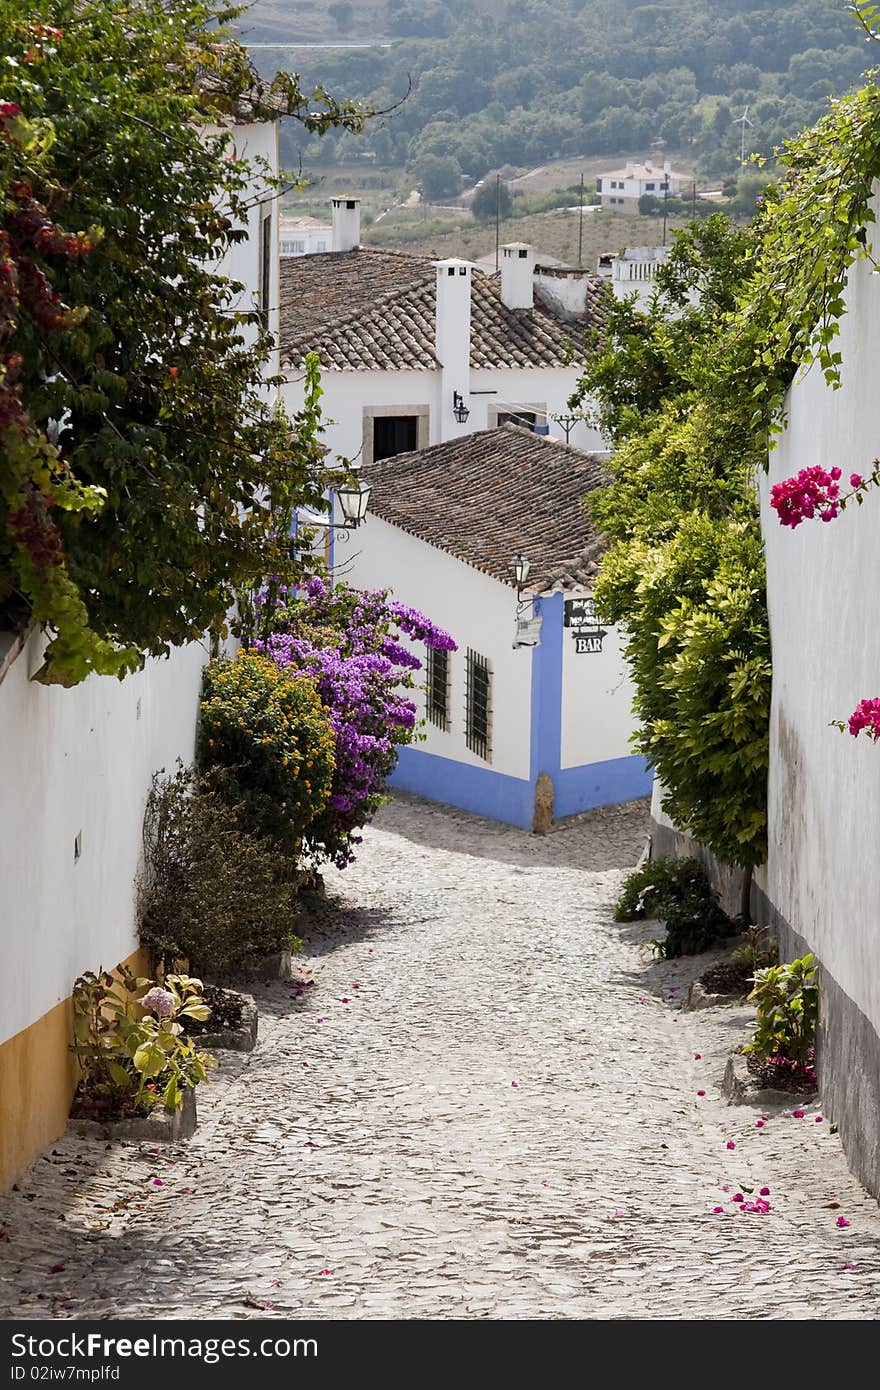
(745, 902)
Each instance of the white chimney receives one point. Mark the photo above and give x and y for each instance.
(452, 340)
(346, 223)
(517, 269)
(630, 168)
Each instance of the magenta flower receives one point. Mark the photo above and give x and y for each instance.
(812, 492)
(798, 1114)
(717, 1210)
(765, 1192)
(842, 1223)
(738, 1197)
(855, 480)
(818, 1120)
(730, 1144)
(759, 1124)
(701, 1093)
(866, 715)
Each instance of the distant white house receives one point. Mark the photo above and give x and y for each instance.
(537, 684)
(303, 236)
(624, 187)
(415, 351)
(632, 272)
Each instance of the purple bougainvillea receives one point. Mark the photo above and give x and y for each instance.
(349, 643)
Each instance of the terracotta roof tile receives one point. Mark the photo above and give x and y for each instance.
(489, 496)
(368, 310)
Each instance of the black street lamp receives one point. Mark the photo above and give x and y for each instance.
(459, 409)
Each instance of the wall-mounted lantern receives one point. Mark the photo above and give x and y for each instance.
(459, 409)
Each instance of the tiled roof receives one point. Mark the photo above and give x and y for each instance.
(370, 310)
(489, 496)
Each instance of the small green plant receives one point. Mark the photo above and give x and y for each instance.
(787, 1003)
(757, 949)
(677, 892)
(211, 892)
(131, 1044)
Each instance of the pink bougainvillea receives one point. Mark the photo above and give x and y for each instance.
(812, 492)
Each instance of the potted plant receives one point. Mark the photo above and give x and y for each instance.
(139, 1068)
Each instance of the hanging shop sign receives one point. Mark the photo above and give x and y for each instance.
(580, 617)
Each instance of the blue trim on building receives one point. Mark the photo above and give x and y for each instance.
(478, 789)
(546, 723)
(600, 784)
(511, 799)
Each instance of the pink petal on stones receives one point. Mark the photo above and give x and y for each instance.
(701, 1093)
(738, 1197)
(797, 1114)
(697, 1056)
(730, 1144)
(716, 1210)
(759, 1124)
(765, 1192)
(841, 1222)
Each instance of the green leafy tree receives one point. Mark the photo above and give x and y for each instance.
(145, 467)
(492, 199)
(684, 570)
(438, 174)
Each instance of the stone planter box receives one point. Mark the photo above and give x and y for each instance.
(161, 1125)
(699, 998)
(240, 1039)
(741, 1088)
(278, 966)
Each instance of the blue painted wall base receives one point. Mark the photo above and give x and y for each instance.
(478, 789)
(511, 800)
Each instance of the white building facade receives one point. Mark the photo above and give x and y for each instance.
(622, 188)
(415, 352)
(500, 712)
(304, 236)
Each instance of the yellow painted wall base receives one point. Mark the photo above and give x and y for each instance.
(37, 1082)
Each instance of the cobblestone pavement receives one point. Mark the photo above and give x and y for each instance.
(489, 1105)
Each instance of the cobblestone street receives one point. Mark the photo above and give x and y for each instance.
(488, 1106)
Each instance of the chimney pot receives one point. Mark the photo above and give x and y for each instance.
(346, 223)
(517, 271)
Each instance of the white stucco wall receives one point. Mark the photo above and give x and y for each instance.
(346, 394)
(824, 790)
(479, 613)
(597, 718)
(75, 762)
(257, 142)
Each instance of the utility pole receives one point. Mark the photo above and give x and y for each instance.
(694, 201)
(580, 238)
(497, 221)
(665, 202)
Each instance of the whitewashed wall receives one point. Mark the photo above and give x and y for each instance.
(478, 612)
(346, 394)
(257, 142)
(824, 793)
(79, 762)
(597, 718)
